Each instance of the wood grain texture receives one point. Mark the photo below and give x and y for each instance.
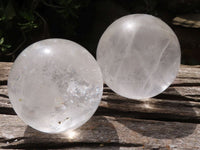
(170, 120)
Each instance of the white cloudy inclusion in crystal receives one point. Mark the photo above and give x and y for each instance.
(139, 56)
(55, 85)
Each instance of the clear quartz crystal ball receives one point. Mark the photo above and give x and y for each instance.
(139, 56)
(55, 85)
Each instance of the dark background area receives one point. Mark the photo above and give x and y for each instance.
(23, 22)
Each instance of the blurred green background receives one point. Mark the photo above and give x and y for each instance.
(23, 22)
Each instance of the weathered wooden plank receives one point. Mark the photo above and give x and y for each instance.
(4, 70)
(187, 74)
(167, 121)
(167, 108)
(103, 132)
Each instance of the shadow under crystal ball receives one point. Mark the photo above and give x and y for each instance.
(139, 56)
(55, 85)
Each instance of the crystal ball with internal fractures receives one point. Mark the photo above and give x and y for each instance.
(55, 85)
(139, 56)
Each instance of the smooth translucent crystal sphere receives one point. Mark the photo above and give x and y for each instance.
(55, 85)
(139, 56)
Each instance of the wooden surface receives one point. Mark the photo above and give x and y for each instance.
(170, 120)
(188, 20)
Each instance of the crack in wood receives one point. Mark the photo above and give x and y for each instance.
(148, 116)
(3, 82)
(53, 145)
(3, 95)
(12, 140)
(185, 84)
(7, 111)
(195, 78)
(175, 97)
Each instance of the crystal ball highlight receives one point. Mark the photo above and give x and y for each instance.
(139, 56)
(55, 85)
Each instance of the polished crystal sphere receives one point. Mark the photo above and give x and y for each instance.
(55, 85)
(139, 56)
